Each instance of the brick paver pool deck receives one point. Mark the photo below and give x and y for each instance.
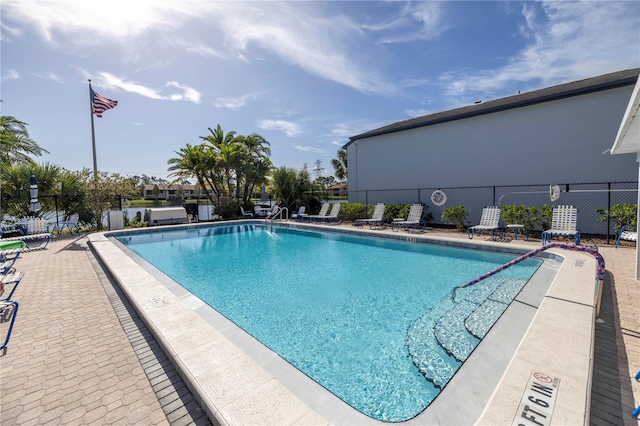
(78, 355)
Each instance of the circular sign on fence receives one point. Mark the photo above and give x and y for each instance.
(554, 192)
(438, 198)
(126, 203)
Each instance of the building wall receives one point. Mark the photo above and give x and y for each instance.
(553, 142)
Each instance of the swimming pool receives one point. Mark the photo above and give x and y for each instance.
(357, 315)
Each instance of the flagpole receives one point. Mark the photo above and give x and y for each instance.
(93, 134)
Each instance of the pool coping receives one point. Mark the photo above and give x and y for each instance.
(207, 358)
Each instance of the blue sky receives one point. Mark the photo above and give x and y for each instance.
(304, 75)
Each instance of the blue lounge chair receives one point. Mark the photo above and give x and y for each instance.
(8, 258)
(323, 212)
(376, 218)
(245, 213)
(300, 214)
(490, 221)
(563, 223)
(36, 234)
(413, 221)
(333, 216)
(627, 233)
(8, 313)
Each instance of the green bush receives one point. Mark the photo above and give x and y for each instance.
(230, 210)
(401, 211)
(353, 211)
(456, 215)
(392, 211)
(620, 214)
(544, 217)
(521, 215)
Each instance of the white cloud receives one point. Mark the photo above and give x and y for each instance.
(112, 82)
(301, 34)
(417, 112)
(310, 149)
(567, 41)
(234, 103)
(188, 93)
(50, 76)
(119, 19)
(7, 32)
(10, 74)
(289, 128)
(417, 21)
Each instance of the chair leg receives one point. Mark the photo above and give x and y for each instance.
(8, 309)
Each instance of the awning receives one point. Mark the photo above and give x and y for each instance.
(628, 142)
(628, 139)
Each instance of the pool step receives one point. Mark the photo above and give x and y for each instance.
(443, 337)
(428, 356)
(451, 333)
(480, 321)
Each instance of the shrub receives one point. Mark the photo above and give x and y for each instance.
(545, 217)
(620, 215)
(521, 215)
(456, 215)
(230, 210)
(392, 211)
(353, 211)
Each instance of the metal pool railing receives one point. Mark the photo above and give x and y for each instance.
(599, 272)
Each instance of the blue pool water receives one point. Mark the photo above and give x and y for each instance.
(371, 320)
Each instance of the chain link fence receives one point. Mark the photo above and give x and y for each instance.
(587, 197)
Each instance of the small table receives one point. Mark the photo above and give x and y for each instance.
(515, 231)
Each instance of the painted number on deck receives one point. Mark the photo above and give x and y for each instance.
(538, 401)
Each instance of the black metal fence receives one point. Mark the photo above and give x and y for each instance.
(587, 197)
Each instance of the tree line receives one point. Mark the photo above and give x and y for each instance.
(227, 166)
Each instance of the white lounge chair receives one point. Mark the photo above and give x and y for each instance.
(490, 221)
(300, 214)
(376, 218)
(275, 211)
(245, 213)
(332, 217)
(413, 221)
(563, 223)
(37, 234)
(323, 212)
(627, 233)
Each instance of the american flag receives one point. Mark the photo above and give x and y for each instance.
(100, 104)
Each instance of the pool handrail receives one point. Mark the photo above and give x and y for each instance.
(599, 271)
(278, 214)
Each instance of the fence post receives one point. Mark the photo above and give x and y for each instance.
(608, 211)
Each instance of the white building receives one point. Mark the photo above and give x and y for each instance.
(555, 135)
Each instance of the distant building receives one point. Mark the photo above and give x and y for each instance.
(337, 190)
(172, 192)
(555, 135)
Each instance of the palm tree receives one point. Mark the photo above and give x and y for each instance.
(14, 179)
(255, 166)
(15, 143)
(255, 173)
(230, 160)
(340, 165)
(291, 187)
(256, 145)
(228, 150)
(197, 162)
